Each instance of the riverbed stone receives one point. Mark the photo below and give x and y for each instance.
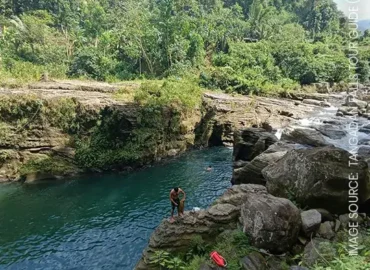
(317, 178)
(254, 261)
(311, 221)
(270, 223)
(356, 103)
(305, 136)
(326, 230)
(365, 129)
(350, 111)
(312, 102)
(333, 132)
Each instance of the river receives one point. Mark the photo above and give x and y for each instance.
(102, 222)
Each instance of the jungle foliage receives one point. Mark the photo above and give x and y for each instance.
(235, 45)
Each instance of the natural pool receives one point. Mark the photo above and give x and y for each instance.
(102, 222)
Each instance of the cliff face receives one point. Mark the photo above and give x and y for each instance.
(57, 129)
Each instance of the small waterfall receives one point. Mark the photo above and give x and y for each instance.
(279, 132)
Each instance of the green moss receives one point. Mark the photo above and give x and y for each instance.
(52, 165)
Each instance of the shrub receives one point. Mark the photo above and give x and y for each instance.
(91, 63)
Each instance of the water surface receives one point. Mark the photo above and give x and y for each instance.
(101, 222)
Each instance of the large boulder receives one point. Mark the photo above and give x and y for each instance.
(222, 215)
(250, 142)
(251, 172)
(270, 223)
(305, 136)
(331, 131)
(317, 178)
(311, 221)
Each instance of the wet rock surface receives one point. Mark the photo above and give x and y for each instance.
(317, 178)
(304, 136)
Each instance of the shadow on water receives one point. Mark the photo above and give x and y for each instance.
(101, 222)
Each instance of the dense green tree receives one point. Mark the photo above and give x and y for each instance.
(239, 45)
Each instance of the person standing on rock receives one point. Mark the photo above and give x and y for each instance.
(175, 201)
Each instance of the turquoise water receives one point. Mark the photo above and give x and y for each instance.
(101, 222)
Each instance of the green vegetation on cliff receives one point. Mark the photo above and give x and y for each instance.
(134, 128)
(234, 246)
(167, 110)
(244, 46)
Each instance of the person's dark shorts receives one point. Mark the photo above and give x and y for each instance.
(176, 201)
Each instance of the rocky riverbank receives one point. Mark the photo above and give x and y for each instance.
(290, 195)
(51, 130)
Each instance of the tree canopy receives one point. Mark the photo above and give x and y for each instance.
(241, 45)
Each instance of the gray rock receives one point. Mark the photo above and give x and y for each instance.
(251, 172)
(326, 230)
(339, 113)
(304, 136)
(270, 223)
(205, 267)
(275, 263)
(348, 111)
(302, 240)
(325, 104)
(311, 221)
(254, 261)
(356, 103)
(365, 129)
(364, 151)
(312, 102)
(333, 132)
(317, 178)
(250, 142)
(337, 225)
(344, 220)
(316, 250)
(364, 154)
(364, 141)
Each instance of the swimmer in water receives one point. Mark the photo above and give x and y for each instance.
(209, 169)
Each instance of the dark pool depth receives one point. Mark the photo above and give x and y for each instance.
(101, 222)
